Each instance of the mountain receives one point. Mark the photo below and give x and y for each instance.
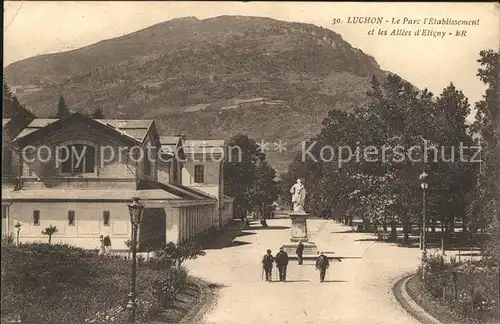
(213, 78)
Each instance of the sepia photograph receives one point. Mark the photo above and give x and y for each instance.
(230, 162)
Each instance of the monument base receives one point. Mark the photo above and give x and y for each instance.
(298, 230)
(310, 249)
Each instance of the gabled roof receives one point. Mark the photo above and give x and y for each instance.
(136, 128)
(171, 145)
(39, 128)
(169, 140)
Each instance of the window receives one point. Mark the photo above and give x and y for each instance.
(71, 218)
(80, 159)
(105, 217)
(36, 217)
(198, 174)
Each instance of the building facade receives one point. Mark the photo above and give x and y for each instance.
(79, 174)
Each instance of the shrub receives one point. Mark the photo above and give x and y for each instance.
(168, 284)
(182, 252)
(43, 283)
(470, 288)
(49, 231)
(8, 239)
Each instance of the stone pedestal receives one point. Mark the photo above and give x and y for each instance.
(298, 233)
(299, 226)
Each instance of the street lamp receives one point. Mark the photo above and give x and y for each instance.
(18, 226)
(424, 186)
(135, 208)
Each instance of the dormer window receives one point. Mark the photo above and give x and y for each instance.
(78, 159)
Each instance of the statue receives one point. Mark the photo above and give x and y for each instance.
(298, 192)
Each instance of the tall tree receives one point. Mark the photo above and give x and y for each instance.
(453, 174)
(11, 106)
(62, 108)
(248, 177)
(488, 125)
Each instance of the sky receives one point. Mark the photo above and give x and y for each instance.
(42, 27)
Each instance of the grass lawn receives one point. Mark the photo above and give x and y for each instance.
(44, 283)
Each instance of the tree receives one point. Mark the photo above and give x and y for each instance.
(248, 177)
(487, 125)
(62, 108)
(182, 252)
(453, 175)
(265, 188)
(11, 106)
(51, 230)
(97, 114)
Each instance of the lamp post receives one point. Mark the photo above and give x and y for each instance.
(18, 226)
(424, 186)
(135, 208)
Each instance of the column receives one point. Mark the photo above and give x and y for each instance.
(198, 221)
(172, 231)
(184, 223)
(190, 222)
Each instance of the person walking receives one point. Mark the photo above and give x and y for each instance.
(300, 252)
(267, 265)
(322, 264)
(282, 263)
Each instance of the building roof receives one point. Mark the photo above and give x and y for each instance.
(172, 145)
(169, 140)
(136, 128)
(86, 194)
(204, 143)
(148, 190)
(35, 125)
(130, 130)
(192, 147)
(5, 121)
(178, 190)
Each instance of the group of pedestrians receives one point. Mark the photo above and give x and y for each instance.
(281, 260)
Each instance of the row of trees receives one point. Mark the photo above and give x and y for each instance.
(401, 119)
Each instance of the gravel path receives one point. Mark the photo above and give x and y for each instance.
(357, 290)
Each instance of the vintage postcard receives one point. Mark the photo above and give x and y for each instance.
(250, 162)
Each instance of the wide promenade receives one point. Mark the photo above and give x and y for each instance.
(357, 290)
